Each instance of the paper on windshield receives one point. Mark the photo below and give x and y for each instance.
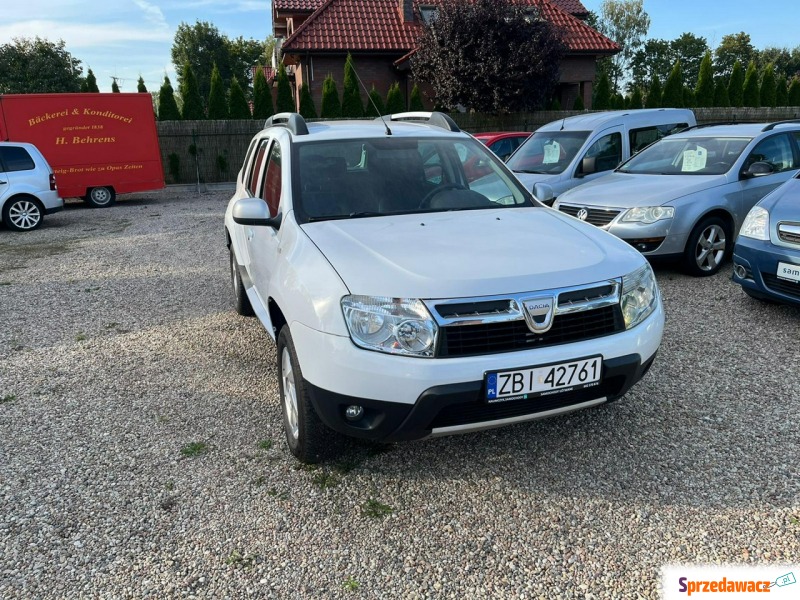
(552, 153)
(694, 160)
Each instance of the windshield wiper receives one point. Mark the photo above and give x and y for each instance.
(352, 215)
(530, 171)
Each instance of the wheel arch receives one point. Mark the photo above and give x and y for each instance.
(20, 195)
(276, 316)
(721, 213)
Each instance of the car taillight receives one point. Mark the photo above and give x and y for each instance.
(52, 182)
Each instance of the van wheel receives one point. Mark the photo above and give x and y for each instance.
(101, 197)
(23, 213)
(708, 246)
(309, 439)
(240, 300)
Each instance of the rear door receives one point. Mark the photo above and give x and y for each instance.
(18, 171)
(263, 242)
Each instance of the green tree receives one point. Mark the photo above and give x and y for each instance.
(167, 107)
(736, 85)
(190, 94)
(704, 92)
(769, 90)
(394, 100)
(690, 50)
(262, 96)
(654, 93)
(601, 99)
(673, 89)
(721, 93)
(375, 104)
(114, 86)
(617, 102)
(91, 83)
(458, 53)
(794, 92)
(331, 107)
(415, 101)
(307, 108)
(689, 100)
(140, 87)
(239, 109)
(217, 103)
(31, 66)
(625, 22)
(750, 92)
(654, 59)
(284, 101)
(578, 104)
(636, 101)
(781, 91)
(733, 48)
(352, 107)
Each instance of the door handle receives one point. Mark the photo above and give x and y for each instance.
(2, 182)
(250, 235)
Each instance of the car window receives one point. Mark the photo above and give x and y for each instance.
(775, 150)
(503, 147)
(644, 136)
(271, 185)
(16, 158)
(481, 176)
(255, 168)
(547, 152)
(606, 152)
(694, 155)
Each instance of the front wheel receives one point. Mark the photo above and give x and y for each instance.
(101, 197)
(309, 439)
(22, 214)
(707, 247)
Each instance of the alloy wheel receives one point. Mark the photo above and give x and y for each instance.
(289, 395)
(24, 214)
(710, 249)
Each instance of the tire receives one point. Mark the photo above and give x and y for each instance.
(23, 213)
(308, 438)
(240, 300)
(707, 248)
(101, 197)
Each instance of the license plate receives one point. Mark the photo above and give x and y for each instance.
(521, 384)
(789, 272)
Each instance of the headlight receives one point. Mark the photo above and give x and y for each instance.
(648, 214)
(756, 224)
(393, 325)
(639, 296)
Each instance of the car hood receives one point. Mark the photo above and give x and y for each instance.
(626, 190)
(783, 204)
(469, 253)
(531, 179)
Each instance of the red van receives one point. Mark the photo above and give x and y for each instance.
(99, 145)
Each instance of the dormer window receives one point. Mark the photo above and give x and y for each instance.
(428, 14)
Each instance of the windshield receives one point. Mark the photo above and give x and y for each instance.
(687, 156)
(393, 175)
(547, 152)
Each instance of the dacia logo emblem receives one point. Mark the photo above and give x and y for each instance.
(582, 214)
(539, 313)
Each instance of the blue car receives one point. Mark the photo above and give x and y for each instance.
(766, 258)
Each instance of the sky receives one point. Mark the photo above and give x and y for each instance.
(128, 38)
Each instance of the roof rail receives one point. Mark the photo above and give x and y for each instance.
(714, 124)
(434, 118)
(292, 121)
(771, 126)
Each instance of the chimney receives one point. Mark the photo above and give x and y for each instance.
(407, 10)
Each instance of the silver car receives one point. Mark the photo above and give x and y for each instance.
(685, 196)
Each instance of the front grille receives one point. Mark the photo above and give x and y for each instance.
(790, 288)
(474, 309)
(790, 234)
(596, 216)
(494, 338)
(480, 411)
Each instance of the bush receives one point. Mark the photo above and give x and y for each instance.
(636, 101)
(736, 85)
(794, 92)
(375, 104)
(781, 91)
(673, 89)
(190, 92)
(307, 108)
(750, 91)
(704, 92)
(394, 100)
(262, 96)
(174, 167)
(654, 94)
(331, 107)
(352, 107)
(601, 99)
(768, 91)
(578, 104)
(217, 105)
(285, 102)
(167, 107)
(239, 108)
(721, 94)
(415, 102)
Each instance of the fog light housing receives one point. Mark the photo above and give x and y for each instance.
(354, 412)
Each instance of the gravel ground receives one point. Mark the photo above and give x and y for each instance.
(141, 453)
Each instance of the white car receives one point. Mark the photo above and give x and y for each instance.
(27, 187)
(406, 304)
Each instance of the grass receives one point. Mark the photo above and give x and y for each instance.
(284, 495)
(8, 398)
(794, 520)
(238, 559)
(194, 449)
(5, 283)
(265, 444)
(80, 337)
(169, 486)
(350, 584)
(324, 480)
(375, 510)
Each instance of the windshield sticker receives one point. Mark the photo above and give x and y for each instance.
(694, 160)
(552, 153)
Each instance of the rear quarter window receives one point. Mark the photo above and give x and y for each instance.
(14, 158)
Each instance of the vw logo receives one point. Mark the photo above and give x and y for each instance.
(582, 214)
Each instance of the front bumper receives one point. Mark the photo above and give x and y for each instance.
(760, 260)
(461, 407)
(654, 239)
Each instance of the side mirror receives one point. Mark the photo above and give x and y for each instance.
(255, 212)
(588, 166)
(758, 169)
(544, 193)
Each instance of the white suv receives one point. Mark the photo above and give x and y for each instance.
(27, 187)
(416, 288)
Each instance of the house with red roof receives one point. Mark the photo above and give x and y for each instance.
(315, 37)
